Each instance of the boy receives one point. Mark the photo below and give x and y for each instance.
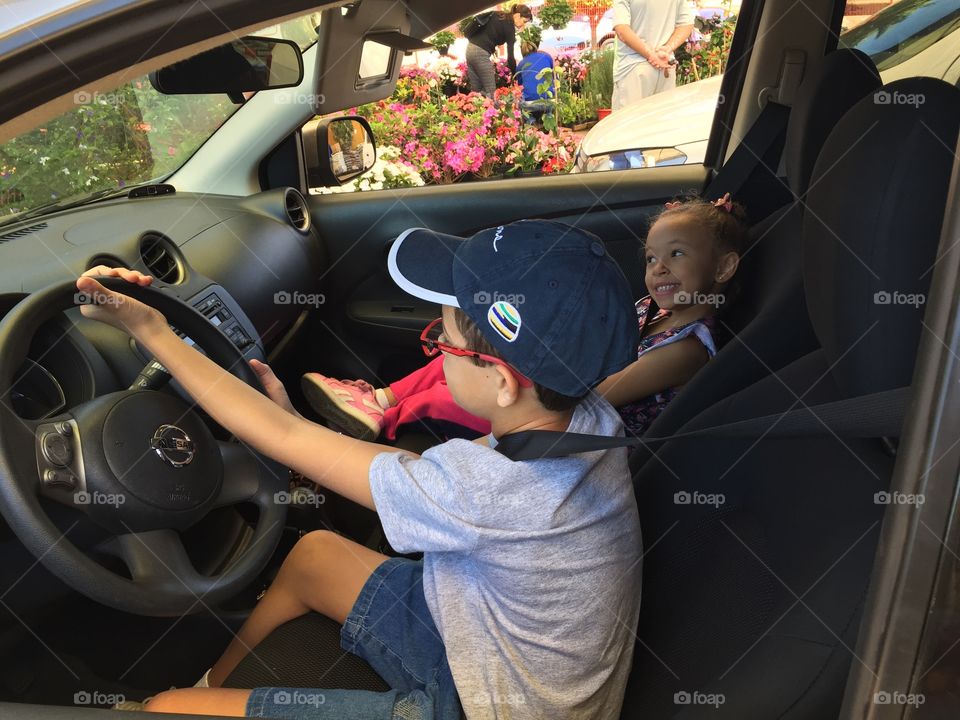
(526, 601)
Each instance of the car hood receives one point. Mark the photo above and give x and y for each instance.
(674, 117)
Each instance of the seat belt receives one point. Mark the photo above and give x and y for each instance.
(750, 175)
(866, 416)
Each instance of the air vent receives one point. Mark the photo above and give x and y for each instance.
(108, 260)
(160, 257)
(22, 232)
(296, 208)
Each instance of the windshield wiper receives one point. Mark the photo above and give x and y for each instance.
(72, 202)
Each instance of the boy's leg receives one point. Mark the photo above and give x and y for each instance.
(324, 572)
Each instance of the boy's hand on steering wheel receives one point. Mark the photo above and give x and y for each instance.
(113, 308)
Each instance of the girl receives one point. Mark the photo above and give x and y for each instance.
(500, 29)
(691, 255)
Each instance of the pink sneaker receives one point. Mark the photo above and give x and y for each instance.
(350, 404)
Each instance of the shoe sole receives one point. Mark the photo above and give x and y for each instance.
(322, 399)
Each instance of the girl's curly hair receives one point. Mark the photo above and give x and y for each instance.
(726, 219)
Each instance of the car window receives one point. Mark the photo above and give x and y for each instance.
(904, 30)
(111, 140)
(437, 129)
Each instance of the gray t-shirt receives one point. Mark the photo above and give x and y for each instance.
(531, 570)
(653, 21)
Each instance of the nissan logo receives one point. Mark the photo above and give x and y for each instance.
(173, 445)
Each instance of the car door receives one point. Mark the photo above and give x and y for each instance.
(369, 327)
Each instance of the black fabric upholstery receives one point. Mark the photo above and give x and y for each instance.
(898, 160)
(831, 86)
(759, 597)
(304, 652)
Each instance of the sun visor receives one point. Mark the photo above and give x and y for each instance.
(359, 52)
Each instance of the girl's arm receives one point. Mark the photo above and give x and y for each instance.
(656, 370)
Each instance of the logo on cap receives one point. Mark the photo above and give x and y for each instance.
(505, 319)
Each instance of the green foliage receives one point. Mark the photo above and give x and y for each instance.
(598, 84)
(705, 55)
(443, 39)
(555, 14)
(110, 140)
(530, 35)
(462, 25)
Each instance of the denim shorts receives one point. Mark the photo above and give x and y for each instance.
(391, 628)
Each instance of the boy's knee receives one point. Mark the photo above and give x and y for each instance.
(168, 701)
(312, 548)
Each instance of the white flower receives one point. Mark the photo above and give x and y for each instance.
(66, 171)
(43, 160)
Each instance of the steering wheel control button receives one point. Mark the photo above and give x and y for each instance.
(64, 428)
(62, 480)
(173, 445)
(56, 449)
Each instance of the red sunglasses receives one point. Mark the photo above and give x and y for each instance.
(432, 346)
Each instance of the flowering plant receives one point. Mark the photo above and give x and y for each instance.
(387, 172)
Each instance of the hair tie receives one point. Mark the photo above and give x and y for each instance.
(725, 202)
(672, 205)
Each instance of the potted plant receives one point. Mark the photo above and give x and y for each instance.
(442, 41)
(598, 84)
(555, 14)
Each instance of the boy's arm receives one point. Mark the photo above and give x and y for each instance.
(336, 461)
(340, 463)
(655, 371)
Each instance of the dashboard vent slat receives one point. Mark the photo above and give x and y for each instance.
(159, 256)
(297, 211)
(22, 232)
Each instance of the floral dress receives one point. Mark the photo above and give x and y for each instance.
(638, 415)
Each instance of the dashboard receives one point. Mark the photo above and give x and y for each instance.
(233, 259)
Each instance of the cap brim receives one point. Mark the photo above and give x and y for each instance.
(421, 263)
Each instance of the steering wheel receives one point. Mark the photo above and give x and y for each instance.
(140, 464)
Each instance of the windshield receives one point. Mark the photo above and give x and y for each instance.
(899, 32)
(111, 140)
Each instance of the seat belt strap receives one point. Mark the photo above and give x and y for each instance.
(867, 416)
(751, 172)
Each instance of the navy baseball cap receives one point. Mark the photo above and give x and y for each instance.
(546, 295)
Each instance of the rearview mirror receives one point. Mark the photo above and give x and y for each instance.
(247, 64)
(338, 149)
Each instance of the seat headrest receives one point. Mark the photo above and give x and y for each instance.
(871, 228)
(831, 86)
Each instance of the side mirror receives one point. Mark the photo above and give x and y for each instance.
(247, 64)
(338, 149)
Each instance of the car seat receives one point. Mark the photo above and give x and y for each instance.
(754, 594)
